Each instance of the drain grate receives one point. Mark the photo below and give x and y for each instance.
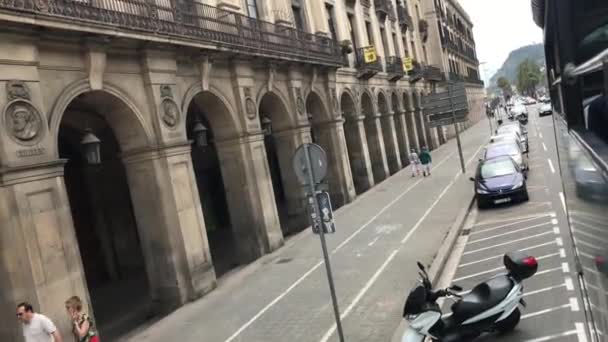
(283, 260)
(466, 232)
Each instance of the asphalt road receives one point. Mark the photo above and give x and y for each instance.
(284, 296)
(538, 227)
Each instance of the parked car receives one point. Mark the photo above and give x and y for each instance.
(499, 180)
(519, 109)
(511, 136)
(510, 149)
(545, 109)
(512, 128)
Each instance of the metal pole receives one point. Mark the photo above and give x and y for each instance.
(317, 219)
(456, 128)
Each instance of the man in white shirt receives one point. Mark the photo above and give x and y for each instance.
(36, 327)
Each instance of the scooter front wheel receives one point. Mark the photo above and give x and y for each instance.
(508, 323)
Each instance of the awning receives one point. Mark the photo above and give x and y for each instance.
(538, 12)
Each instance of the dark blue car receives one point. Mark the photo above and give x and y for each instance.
(499, 180)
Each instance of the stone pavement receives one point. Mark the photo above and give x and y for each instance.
(284, 296)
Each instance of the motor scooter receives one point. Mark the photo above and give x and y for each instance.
(492, 306)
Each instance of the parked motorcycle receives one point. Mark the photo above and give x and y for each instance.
(492, 306)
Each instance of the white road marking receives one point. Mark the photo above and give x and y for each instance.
(373, 241)
(574, 304)
(546, 289)
(563, 199)
(553, 337)
(269, 305)
(540, 135)
(509, 232)
(547, 256)
(556, 230)
(580, 332)
(591, 236)
(501, 255)
(551, 165)
(562, 253)
(553, 215)
(507, 225)
(569, 284)
(360, 295)
(506, 243)
(590, 245)
(544, 147)
(542, 312)
(554, 221)
(559, 242)
(599, 230)
(565, 267)
(426, 213)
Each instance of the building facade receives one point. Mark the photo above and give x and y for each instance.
(146, 147)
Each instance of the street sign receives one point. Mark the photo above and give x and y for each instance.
(326, 211)
(318, 161)
(369, 54)
(408, 64)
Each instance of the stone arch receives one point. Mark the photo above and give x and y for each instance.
(383, 107)
(225, 123)
(316, 107)
(275, 102)
(348, 104)
(373, 132)
(396, 105)
(124, 117)
(367, 105)
(325, 107)
(356, 143)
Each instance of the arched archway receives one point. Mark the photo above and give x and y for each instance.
(329, 134)
(356, 143)
(401, 129)
(375, 143)
(420, 129)
(212, 168)
(281, 141)
(110, 234)
(389, 134)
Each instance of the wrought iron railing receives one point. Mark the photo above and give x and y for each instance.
(416, 73)
(474, 80)
(405, 19)
(366, 3)
(190, 21)
(384, 8)
(365, 68)
(433, 73)
(394, 68)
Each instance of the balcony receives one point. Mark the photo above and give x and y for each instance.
(405, 20)
(433, 73)
(474, 80)
(416, 73)
(364, 3)
(182, 23)
(384, 8)
(454, 77)
(394, 68)
(368, 63)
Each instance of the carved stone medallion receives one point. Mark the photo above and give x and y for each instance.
(165, 91)
(170, 113)
(23, 122)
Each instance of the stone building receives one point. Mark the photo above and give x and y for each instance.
(146, 146)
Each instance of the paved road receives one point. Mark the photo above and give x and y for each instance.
(285, 297)
(539, 227)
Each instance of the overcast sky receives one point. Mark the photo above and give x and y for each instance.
(500, 26)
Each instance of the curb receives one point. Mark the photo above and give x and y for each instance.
(441, 257)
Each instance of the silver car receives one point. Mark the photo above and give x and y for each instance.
(510, 149)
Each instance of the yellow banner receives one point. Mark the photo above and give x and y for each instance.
(369, 54)
(408, 64)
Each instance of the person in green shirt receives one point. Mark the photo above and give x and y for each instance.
(426, 160)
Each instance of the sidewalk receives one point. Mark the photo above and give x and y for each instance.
(284, 296)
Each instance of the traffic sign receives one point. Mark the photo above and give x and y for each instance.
(318, 162)
(326, 211)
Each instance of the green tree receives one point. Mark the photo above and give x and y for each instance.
(504, 85)
(529, 77)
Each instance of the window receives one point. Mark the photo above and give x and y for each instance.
(370, 35)
(384, 41)
(297, 17)
(252, 8)
(396, 42)
(330, 21)
(351, 30)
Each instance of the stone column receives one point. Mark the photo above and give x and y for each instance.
(330, 135)
(432, 137)
(171, 225)
(39, 260)
(422, 127)
(286, 143)
(250, 196)
(391, 143)
(358, 152)
(414, 139)
(402, 137)
(376, 148)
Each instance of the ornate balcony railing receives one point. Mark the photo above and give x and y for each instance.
(366, 3)
(405, 19)
(416, 73)
(366, 68)
(433, 73)
(454, 77)
(384, 8)
(394, 68)
(188, 22)
(474, 80)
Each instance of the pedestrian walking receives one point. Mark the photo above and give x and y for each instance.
(415, 161)
(83, 327)
(426, 160)
(36, 327)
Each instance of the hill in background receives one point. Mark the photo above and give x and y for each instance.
(533, 52)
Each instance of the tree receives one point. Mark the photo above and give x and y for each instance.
(504, 85)
(529, 77)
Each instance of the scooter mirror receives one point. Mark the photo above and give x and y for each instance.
(420, 266)
(456, 288)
